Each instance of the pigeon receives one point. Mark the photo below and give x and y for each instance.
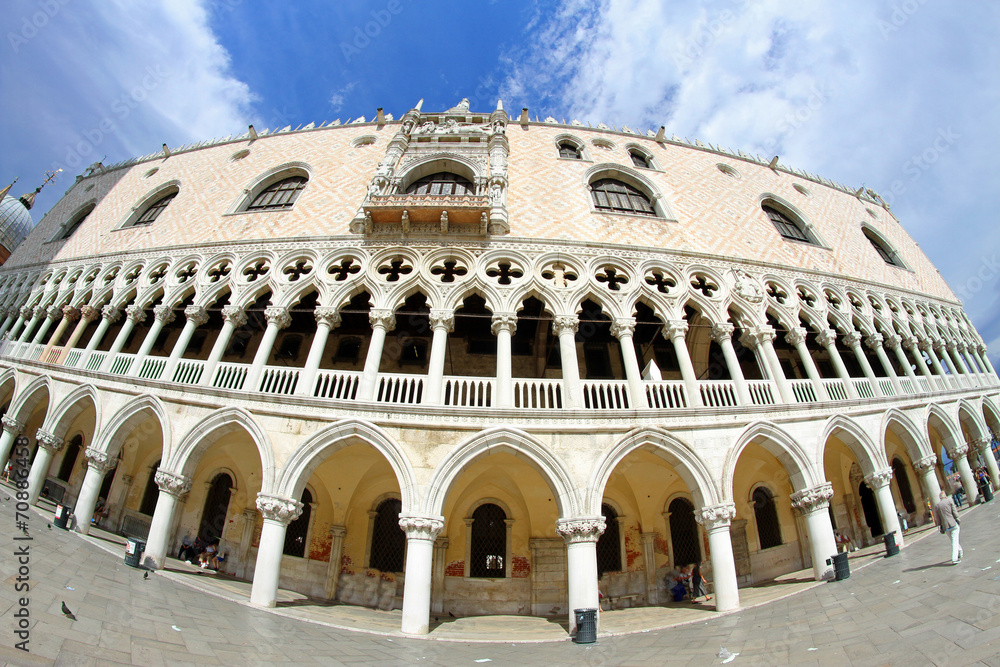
(451, 614)
(49, 525)
(67, 613)
(145, 575)
(6, 497)
(435, 619)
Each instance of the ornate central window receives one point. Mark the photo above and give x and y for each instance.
(441, 183)
(613, 195)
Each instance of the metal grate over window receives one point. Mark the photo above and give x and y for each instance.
(766, 512)
(280, 195)
(150, 493)
(612, 195)
(489, 542)
(683, 533)
(388, 539)
(153, 211)
(785, 225)
(639, 160)
(441, 183)
(568, 150)
(609, 544)
(298, 530)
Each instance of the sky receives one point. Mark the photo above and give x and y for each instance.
(901, 96)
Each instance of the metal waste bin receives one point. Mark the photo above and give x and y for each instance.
(133, 550)
(62, 516)
(841, 568)
(586, 626)
(987, 493)
(891, 548)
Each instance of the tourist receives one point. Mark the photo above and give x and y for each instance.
(947, 520)
(698, 584)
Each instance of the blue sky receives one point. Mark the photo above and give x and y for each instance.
(899, 95)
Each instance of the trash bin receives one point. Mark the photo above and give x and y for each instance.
(987, 493)
(586, 626)
(891, 548)
(62, 516)
(133, 550)
(841, 568)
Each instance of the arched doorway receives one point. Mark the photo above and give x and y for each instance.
(388, 550)
(903, 482)
(213, 515)
(683, 533)
(870, 509)
(609, 552)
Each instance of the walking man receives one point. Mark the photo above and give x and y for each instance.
(947, 520)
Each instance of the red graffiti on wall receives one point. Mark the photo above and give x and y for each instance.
(660, 545)
(632, 553)
(346, 564)
(319, 549)
(520, 567)
(455, 568)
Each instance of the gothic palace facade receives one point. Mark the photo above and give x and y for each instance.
(479, 363)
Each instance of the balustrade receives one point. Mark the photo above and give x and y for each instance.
(836, 389)
(803, 390)
(605, 394)
(188, 371)
(718, 393)
(666, 394)
(761, 391)
(864, 387)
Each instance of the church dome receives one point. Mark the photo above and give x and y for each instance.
(15, 223)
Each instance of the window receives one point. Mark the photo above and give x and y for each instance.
(298, 531)
(766, 513)
(787, 227)
(617, 197)
(441, 183)
(639, 160)
(609, 544)
(683, 532)
(388, 539)
(69, 458)
(75, 223)
(887, 255)
(279, 196)
(150, 493)
(153, 211)
(213, 514)
(569, 151)
(903, 482)
(489, 542)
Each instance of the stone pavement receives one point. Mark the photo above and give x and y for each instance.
(914, 608)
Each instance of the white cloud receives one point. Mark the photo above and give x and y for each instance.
(340, 96)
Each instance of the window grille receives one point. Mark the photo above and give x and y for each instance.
(280, 195)
(489, 542)
(683, 532)
(785, 225)
(568, 150)
(639, 160)
(388, 539)
(768, 530)
(153, 211)
(441, 183)
(609, 544)
(298, 530)
(75, 224)
(612, 195)
(150, 493)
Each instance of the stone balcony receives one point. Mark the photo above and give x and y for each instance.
(405, 213)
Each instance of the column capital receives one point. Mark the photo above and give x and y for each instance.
(111, 313)
(565, 323)
(55, 313)
(925, 344)
(879, 478)
(70, 314)
(89, 313)
(675, 329)
(136, 313)
(442, 319)
(715, 516)
(279, 509)
(234, 315)
(960, 346)
(623, 326)
(852, 339)
(338, 531)
(827, 337)
(958, 451)
(164, 314)
(11, 425)
(874, 341)
(981, 443)
(27, 312)
(277, 316)
(421, 527)
(816, 498)
(939, 345)
(503, 322)
(892, 341)
(99, 461)
(172, 483)
(328, 316)
(197, 315)
(795, 336)
(382, 318)
(926, 463)
(722, 331)
(48, 441)
(584, 529)
(765, 334)
(981, 348)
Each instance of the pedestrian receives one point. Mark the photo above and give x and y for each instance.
(698, 584)
(947, 520)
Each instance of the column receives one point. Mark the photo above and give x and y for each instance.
(421, 531)
(853, 341)
(32, 315)
(965, 350)
(22, 317)
(54, 313)
(722, 334)
(382, 321)
(716, 520)
(87, 315)
(878, 481)
(249, 516)
(437, 576)
(932, 350)
(893, 342)
(69, 315)
(927, 467)
(326, 319)
(278, 512)
(503, 326)
(874, 343)
(233, 317)
(11, 316)
(985, 359)
(764, 335)
(814, 504)
(565, 328)
(676, 332)
(334, 566)
(277, 319)
(196, 316)
(917, 346)
(649, 558)
(48, 445)
(162, 316)
(109, 315)
(133, 315)
(580, 536)
(442, 323)
(797, 338)
(958, 455)
(955, 354)
(828, 339)
(983, 445)
(623, 329)
(173, 486)
(11, 429)
(98, 465)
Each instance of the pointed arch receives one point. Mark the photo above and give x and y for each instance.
(952, 436)
(858, 441)
(59, 419)
(111, 436)
(779, 443)
(917, 444)
(27, 399)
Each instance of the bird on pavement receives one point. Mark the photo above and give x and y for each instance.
(67, 613)
(451, 614)
(145, 575)
(49, 526)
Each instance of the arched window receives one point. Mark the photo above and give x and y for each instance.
(903, 482)
(639, 160)
(150, 493)
(888, 256)
(683, 532)
(766, 513)
(441, 183)
(298, 531)
(153, 211)
(489, 542)
(388, 539)
(568, 150)
(280, 195)
(70, 457)
(613, 195)
(76, 221)
(787, 227)
(870, 508)
(609, 544)
(213, 516)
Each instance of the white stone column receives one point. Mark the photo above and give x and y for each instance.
(32, 315)
(565, 328)
(716, 520)
(442, 323)
(69, 315)
(983, 445)
(932, 351)
(814, 504)
(503, 326)
(623, 329)
(173, 487)
(277, 319)
(54, 313)
(421, 531)
(23, 315)
(957, 454)
(109, 315)
(48, 445)
(927, 467)
(326, 319)
(874, 343)
(676, 332)
(12, 316)
(797, 338)
(278, 512)
(233, 317)
(981, 350)
(87, 315)
(581, 535)
(11, 429)
(162, 316)
(722, 334)
(98, 465)
(956, 355)
(965, 350)
(764, 336)
(382, 321)
(828, 339)
(196, 316)
(916, 346)
(133, 315)
(334, 566)
(649, 560)
(853, 341)
(893, 342)
(878, 481)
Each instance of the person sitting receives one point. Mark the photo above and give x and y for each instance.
(100, 512)
(187, 550)
(208, 555)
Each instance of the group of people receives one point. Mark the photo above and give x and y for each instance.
(206, 552)
(687, 582)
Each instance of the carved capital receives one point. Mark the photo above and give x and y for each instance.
(442, 319)
(816, 498)
(716, 516)
(48, 441)
(565, 324)
(675, 329)
(55, 313)
(892, 341)
(981, 444)
(172, 483)
(879, 478)
(27, 312)
(276, 508)
(421, 527)
(111, 313)
(164, 314)
(827, 337)
(925, 344)
(623, 326)
(99, 461)
(795, 336)
(722, 332)
(503, 322)
(328, 316)
(383, 318)
(874, 342)
(11, 425)
(234, 315)
(981, 348)
(136, 314)
(338, 531)
(951, 345)
(939, 346)
(277, 317)
(70, 314)
(926, 463)
(197, 315)
(852, 339)
(958, 451)
(587, 529)
(89, 313)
